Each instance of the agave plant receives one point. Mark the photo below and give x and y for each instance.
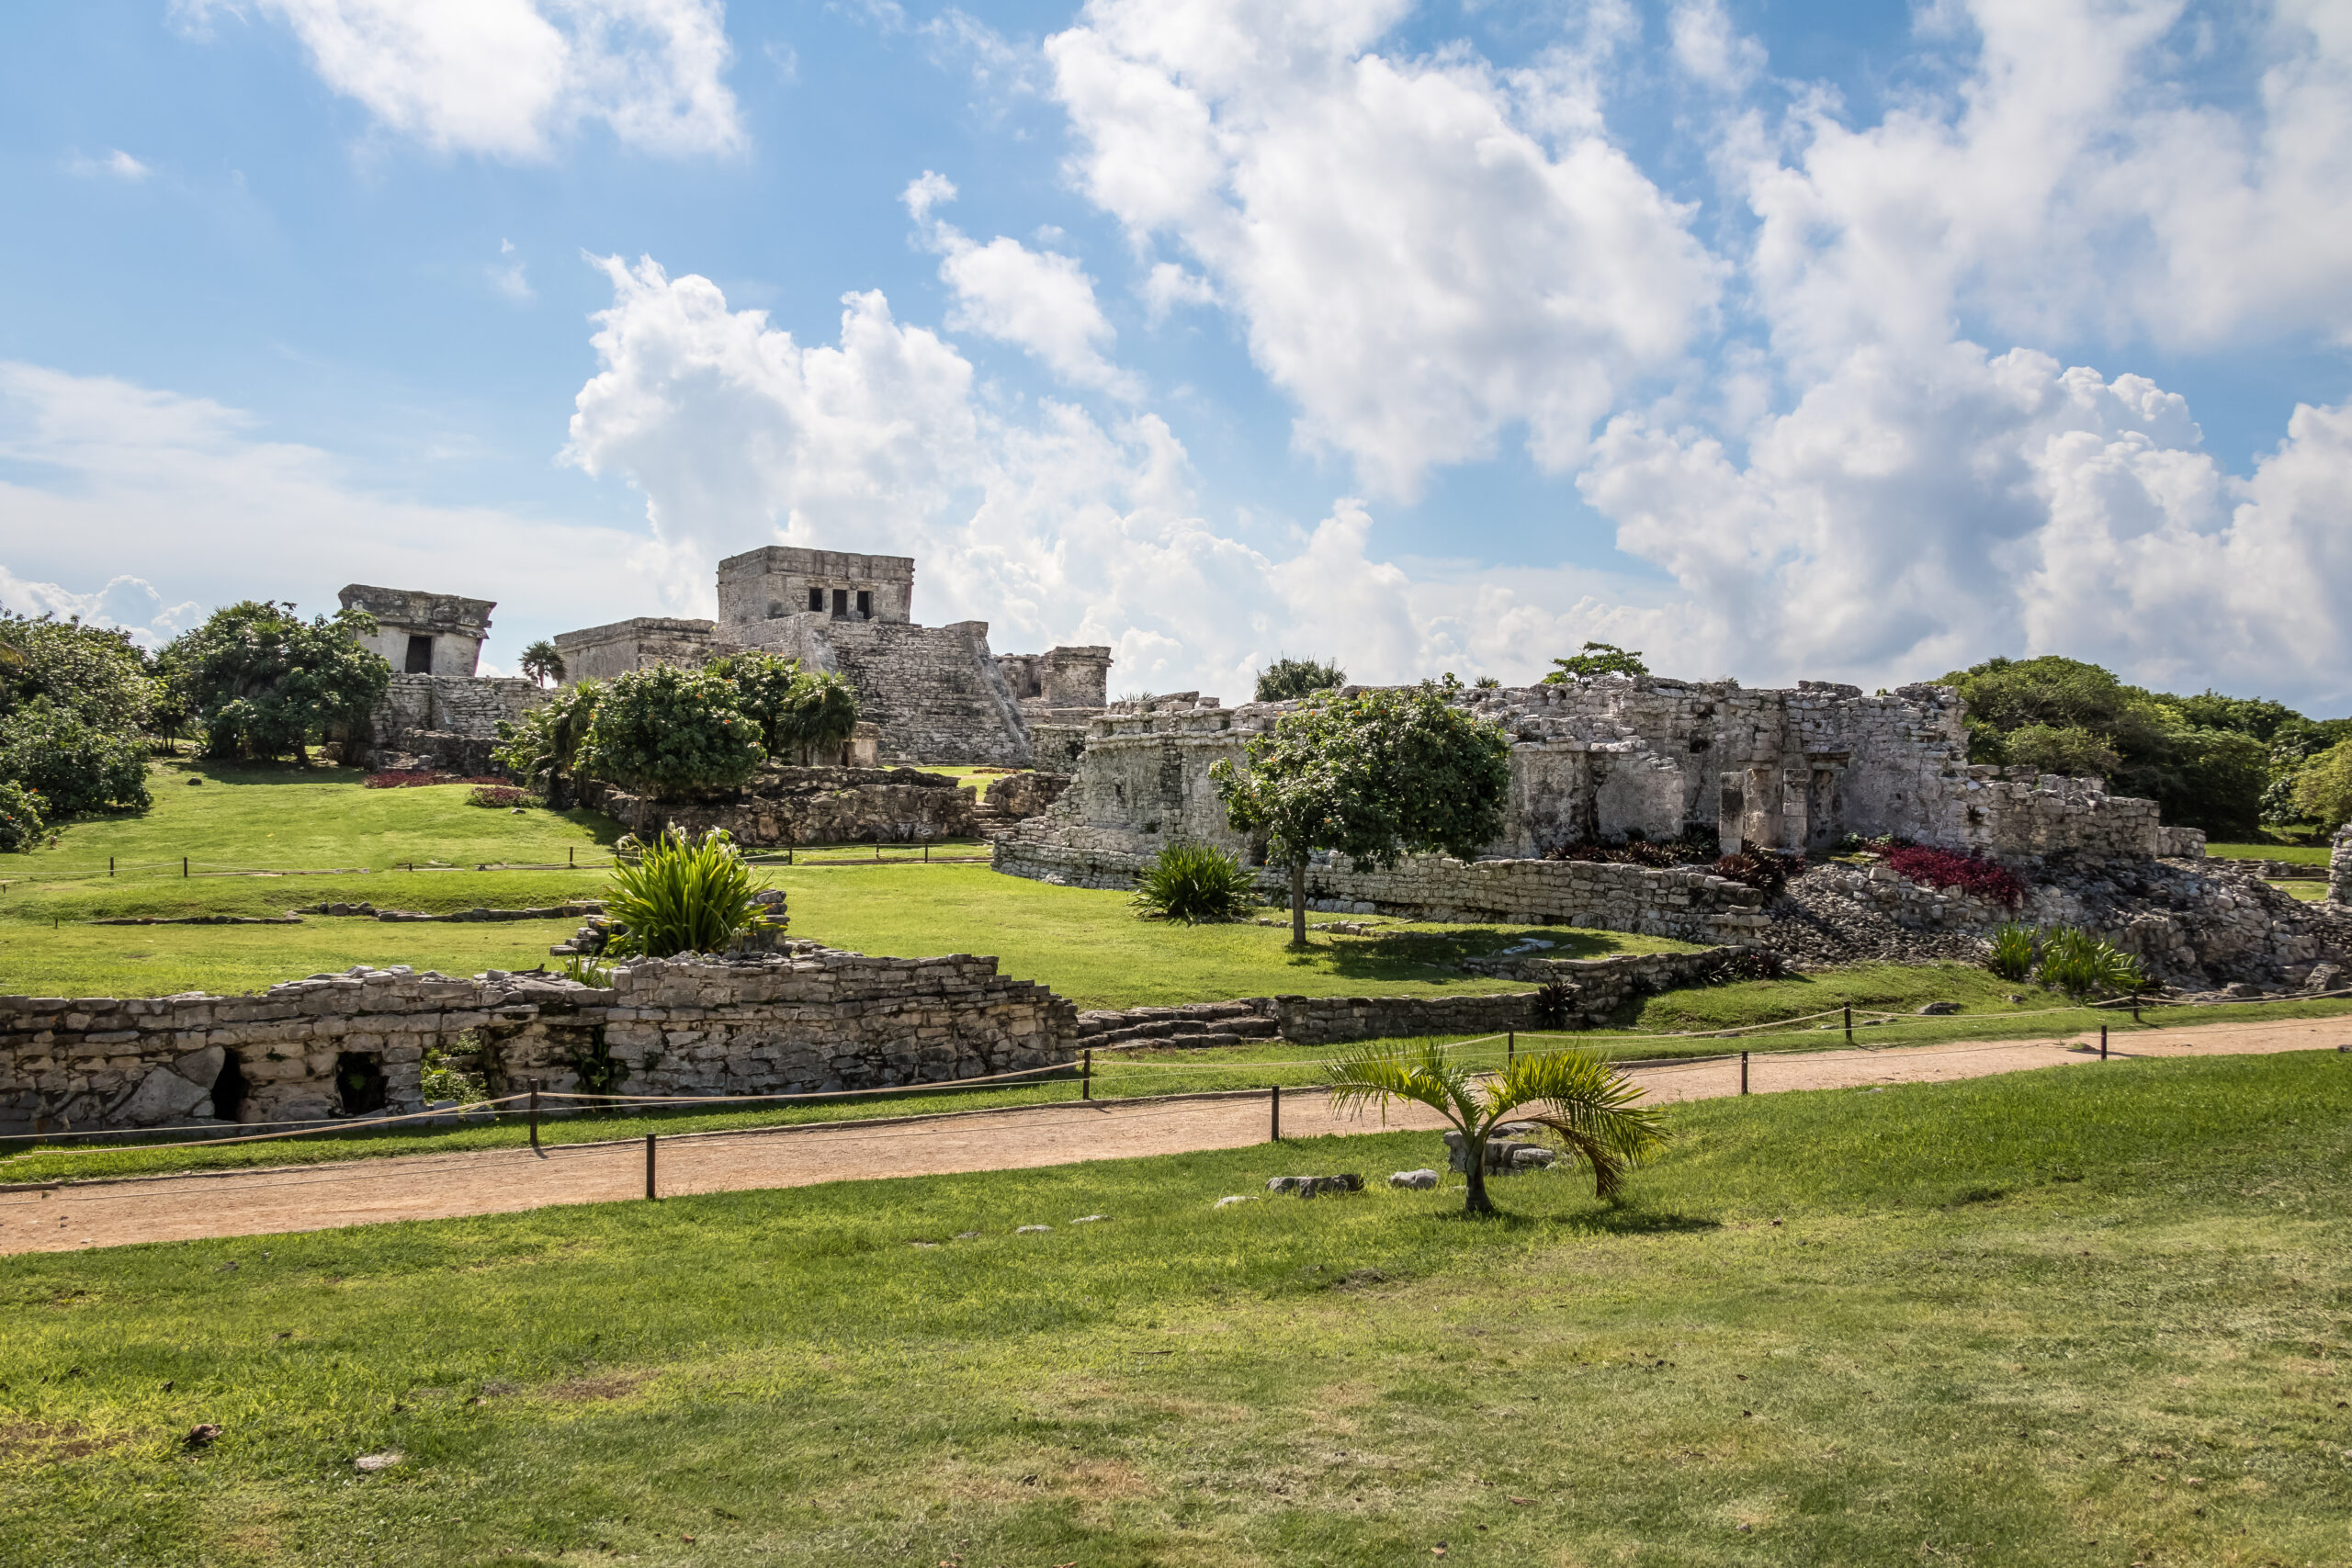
(2080, 962)
(1197, 884)
(682, 894)
(2012, 951)
(1574, 1093)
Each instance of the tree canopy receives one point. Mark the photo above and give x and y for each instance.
(542, 662)
(73, 703)
(1598, 658)
(664, 730)
(2210, 761)
(263, 683)
(1372, 776)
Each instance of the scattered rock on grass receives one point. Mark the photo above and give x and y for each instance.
(1314, 1186)
(1032, 1230)
(1236, 1198)
(1089, 1219)
(1939, 1010)
(1418, 1181)
(202, 1434)
(367, 1464)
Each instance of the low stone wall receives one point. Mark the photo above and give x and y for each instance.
(2339, 866)
(785, 806)
(2275, 870)
(2181, 843)
(1692, 906)
(806, 1020)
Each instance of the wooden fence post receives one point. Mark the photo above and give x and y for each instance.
(2102, 1043)
(535, 1115)
(649, 1165)
(1743, 1072)
(1278, 1112)
(1086, 1077)
(1850, 1023)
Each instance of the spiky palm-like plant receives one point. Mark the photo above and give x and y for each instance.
(1574, 1093)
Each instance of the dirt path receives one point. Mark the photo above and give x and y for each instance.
(429, 1187)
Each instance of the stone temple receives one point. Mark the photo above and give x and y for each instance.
(936, 693)
(437, 713)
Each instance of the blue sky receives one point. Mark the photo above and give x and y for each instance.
(1838, 342)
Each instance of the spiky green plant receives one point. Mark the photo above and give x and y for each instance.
(1197, 884)
(2080, 962)
(1577, 1095)
(680, 894)
(2012, 954)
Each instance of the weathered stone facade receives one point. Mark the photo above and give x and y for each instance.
(782, 806)
(936, 693)
(422, 634)
(2339, 866)
(806, 1020)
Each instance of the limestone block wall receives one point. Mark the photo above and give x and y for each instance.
(934, 692)
(447, 721)
(1690, 906)
(776, 580)
(599, 654)
(2022, 823)
(2339, 866)
(785, 806)
(806, 1020)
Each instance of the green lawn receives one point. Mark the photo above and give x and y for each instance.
(1088, 945)
(2302, 855)
(2092, 1316)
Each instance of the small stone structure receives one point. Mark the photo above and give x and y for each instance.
(804, 1019)
(436, 713)
(2339, 866)
(783, 806)
(936, 693)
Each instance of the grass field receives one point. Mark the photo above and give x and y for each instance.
(1087, 945)
(2065, 1317)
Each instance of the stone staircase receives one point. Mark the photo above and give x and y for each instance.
(1194, 1024)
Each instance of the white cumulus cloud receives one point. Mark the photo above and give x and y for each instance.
(1424, 252)
(1040, 301)
(116, 164)
(510, 78)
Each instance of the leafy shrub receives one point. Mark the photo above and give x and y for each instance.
(1287, 679)
(2072, 751)
(1748, 963)
(680, 894)
(74, 764)
(2080, 962)
(1552, 999)
(498, 795)
(22, 820)
(1767, 871)
(264, 683)
(666, 730)
(1947, 868)
(2322, 792)
(1197, 884)
(440, 1078)
(2012, 954)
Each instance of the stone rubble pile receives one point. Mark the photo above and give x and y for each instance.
(1509, 1148)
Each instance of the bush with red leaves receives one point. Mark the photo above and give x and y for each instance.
(495, 795)
(1947, 868)
(399, 780)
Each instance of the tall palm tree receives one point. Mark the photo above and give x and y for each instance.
(1574, 1093)
(542, 663)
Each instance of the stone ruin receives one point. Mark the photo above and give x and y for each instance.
(936, 693)
(1614, 758)
(437, 714)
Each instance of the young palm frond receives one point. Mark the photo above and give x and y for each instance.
(1574, 1094)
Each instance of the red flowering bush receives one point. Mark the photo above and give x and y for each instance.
(1970, 874)
(495, 795)
(401, 779)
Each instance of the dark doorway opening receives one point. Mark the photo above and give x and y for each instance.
(865, 605)
(841, 603)
(229, 1089)
(359, 1080)
(816, 599)
(420, 656)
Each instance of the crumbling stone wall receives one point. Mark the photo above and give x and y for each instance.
(448, 723)
(783, 806)
(599, 654)
(804, 1019)
(2339, 866)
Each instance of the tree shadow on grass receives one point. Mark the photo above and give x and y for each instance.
(1600, 1219)
(1413, 955)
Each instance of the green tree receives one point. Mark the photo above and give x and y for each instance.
(542, 662)
(73, 700)
(1371, 776)
(1287, 680)
(664, 730)
(822, 712)
(1580, 1098)
(2074, 752)
(21, 821)
(1598, 658)
(2323, 792)
(542, 748)
(265, 683)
